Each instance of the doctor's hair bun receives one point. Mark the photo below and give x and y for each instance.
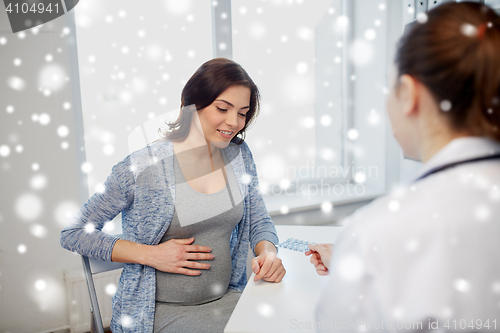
(456, 55)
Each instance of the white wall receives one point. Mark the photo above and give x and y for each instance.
(35, 204)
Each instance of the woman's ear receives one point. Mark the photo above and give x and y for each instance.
(408, 95)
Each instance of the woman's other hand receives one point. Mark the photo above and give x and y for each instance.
(176, 255)
(320, 258)
(268, 267)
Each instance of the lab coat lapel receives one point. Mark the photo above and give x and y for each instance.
(458, 150)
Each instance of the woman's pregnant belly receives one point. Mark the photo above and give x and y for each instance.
(210, 285)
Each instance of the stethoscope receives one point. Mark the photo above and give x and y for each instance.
(450, 165)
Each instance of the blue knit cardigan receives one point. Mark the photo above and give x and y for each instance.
(142, 188)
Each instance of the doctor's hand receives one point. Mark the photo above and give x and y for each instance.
(320, 258)
(268, 267)
(176, 255)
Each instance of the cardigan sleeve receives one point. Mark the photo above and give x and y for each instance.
(83, 234)
(261, 225)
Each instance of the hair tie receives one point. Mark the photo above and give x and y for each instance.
(481, 31)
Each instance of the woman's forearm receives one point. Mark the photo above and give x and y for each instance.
(264, 247)
(130, 252)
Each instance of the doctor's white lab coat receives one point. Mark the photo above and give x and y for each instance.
(427, 256)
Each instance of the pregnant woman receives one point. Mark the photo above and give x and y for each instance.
(191, 208)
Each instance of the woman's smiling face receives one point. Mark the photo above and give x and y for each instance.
(226, 116)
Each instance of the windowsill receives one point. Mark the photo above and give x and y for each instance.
(302, 202)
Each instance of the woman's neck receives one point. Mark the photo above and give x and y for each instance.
(196, 149)
(192, 145)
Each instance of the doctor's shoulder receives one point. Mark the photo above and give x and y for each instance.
(390, 216)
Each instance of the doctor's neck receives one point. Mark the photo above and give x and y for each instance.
(432, 142)
(433, 129)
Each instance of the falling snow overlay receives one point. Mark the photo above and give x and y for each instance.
(80, 93)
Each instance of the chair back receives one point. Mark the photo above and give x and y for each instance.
(99, 266)
(93, 266)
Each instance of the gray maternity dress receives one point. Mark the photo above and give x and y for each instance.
(200, 303)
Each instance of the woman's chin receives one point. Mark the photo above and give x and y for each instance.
(221, 144)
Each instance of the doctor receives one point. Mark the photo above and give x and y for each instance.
(426, 256)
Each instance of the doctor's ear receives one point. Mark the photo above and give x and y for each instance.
(408, 94)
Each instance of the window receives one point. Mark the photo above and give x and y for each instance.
(321, 68)
(320, 65)
(134, 60)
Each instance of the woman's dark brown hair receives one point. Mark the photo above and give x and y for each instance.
(206, 84)
(456, 55)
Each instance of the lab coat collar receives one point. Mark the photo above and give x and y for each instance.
(458, 150)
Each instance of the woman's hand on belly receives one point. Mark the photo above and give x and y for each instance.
(176, 255)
